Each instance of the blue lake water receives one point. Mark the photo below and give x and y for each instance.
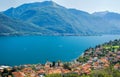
(38, 49)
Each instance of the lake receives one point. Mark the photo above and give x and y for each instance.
(38, 49)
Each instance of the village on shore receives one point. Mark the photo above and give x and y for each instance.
(101, 57)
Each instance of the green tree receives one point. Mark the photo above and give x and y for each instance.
(53, 75)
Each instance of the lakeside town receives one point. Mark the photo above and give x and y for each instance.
(101, 61)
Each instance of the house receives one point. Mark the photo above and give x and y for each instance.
(18, 74)
(117, 66)
(29, 72)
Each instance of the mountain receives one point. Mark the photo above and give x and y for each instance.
(110, 17)
(48, 15)
(9, 26)
(58, 20)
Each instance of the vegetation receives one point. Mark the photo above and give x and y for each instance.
(107, 72)
(110, 49)
(49, 18)
(53, 75)
(67, 66)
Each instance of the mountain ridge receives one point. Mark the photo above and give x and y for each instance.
(59, 20)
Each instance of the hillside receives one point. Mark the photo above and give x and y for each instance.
(110, 17)
(58, 20)
(10, 26)
(102, 55)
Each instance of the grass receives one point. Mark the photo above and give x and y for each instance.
(108, 47)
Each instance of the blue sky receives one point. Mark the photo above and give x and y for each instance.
(85, 5)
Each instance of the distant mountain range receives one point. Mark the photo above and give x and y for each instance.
(49, 18)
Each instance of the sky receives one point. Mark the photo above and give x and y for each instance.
(85, 5)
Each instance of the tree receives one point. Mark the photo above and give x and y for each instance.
(66, 66)
(53, 75)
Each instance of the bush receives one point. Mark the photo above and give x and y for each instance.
(71, 75)
(53, 75)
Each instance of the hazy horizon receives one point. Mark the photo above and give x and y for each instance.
(84, 5)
